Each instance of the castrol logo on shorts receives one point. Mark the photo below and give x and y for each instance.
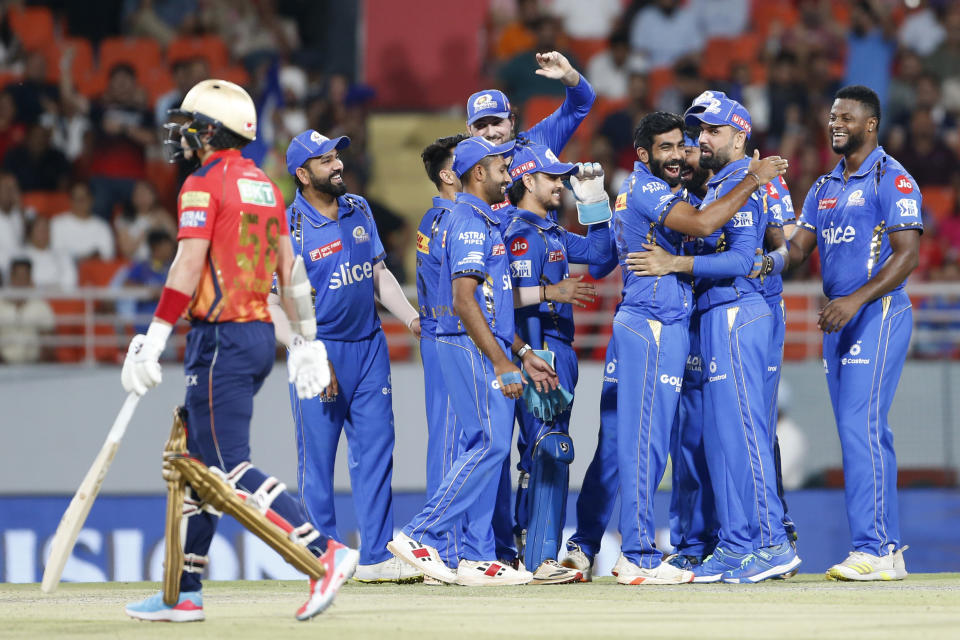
(519, 246)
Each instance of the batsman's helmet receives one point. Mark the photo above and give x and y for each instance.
(210, 107)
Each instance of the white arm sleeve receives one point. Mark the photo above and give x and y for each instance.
(281, 323)
(391, 296)
(526, 296)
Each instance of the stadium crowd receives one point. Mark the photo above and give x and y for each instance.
(86, 195)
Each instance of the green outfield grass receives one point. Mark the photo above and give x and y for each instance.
(925, 606)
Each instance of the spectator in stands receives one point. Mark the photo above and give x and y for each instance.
(609, 71)
(784, 90)
(51, 269)
(78, 233)
(721, 18)
(186, 73)
(69, 124)
(618, 126)
(686, 86)
(666, 31)
(291, 119)
(929, 98)
(944, 62)
(12, 218)
(23, 321)
(870, 47)
(142, 19)
(592, 20)
(517, 35)
(395, 232)
(921, 31)
(36, 164)
(33, 95)
(12, 131)
(151, 272)
(902, 97)
(515, 75)
(926, 157)
(123, 127)
(142, 216)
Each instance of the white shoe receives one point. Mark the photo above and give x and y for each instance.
(391, 570)
(861, 566)
(483, 573)
(663, 573)
(552, 572)
(577, 559)
(621, 561)
(422, 557)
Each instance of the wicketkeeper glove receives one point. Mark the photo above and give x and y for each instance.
(593, 203)
(141, 368)
(307, 367)
(545, 405)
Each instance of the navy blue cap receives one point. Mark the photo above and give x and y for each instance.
(487, 103)
(538, 158)
(714, 107)
(311, 144)
(472, 150)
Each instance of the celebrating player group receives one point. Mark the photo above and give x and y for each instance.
(701, 230)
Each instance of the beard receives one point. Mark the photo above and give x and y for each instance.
(657, 168)
(327, 186)
(718, 159)
(853, 143)
(494, 190)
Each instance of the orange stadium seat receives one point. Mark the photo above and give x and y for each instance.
(398, 339)
(586, 48)
(210, 47)
(657, 81)
(765, 12)
(33, 26)
(157, 82)
(940, 201)
(82, 63)
(95, 272)
(69, 324)
(143, 54)
(8, 77)
(235, 74)
(537, 108)
(47, 203)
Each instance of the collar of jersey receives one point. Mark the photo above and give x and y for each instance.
(729, 170)
(442, 203)
(529, 216)
(478, 204)
(640, 167)
(317, 218)
(868, 164)
(222, 153)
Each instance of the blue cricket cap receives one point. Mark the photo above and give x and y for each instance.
(538, 158)
(487, 103)
(311, 144)
(472, 150)
(714, 107)
(690, 142)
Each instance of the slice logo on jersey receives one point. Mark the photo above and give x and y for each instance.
(772, 191)
(521, 268)
(423, 242)
(360, 234)
(856, 199)
(903, 184)
(908, 208)
(519, 246)
(256, 192)
(473, 257)
(193, 218)
(653, 186)
(471, 237)
(743, 219)
(193, 199)
(499, 250)
(621, 203)
(555, 256)
(348, 275)
(839, 235)
(826, 203)
(326, 250)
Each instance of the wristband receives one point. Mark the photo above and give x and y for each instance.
(543, 293)
(522, 351)
(755, 177)
(776, 264)
(172, 305)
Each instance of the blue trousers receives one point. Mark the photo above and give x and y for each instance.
(651, 357)
(735, 338)
(469, 488)
(443, 437)
(693, 520)
(364, 407)
(225, 366)
(772, 386)
(863, 362)
(602, 480)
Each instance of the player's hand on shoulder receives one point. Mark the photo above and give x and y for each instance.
(307, 367)
(768, 168)
(141, 367)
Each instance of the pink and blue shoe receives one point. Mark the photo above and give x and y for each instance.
(340, 562)
(189, 608)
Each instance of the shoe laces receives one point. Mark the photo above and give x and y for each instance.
(747, 559)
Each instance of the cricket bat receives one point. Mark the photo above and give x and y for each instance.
(79, 508)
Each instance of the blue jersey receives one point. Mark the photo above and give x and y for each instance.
(429, 251)
(555, 132)
(853, 218)
(731, 250)
(780, 207)
(638, 215)
(339, 255)
(540, 253)
(474, 248)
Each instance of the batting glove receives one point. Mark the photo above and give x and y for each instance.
(307, 367)
(141, 368)
(593, 203)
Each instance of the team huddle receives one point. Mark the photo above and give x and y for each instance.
(701, 232)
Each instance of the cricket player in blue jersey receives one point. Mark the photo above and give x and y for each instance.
(540, 253)
(475, 341)
(335, 233)
(735, 326)
(864, 217)
(651, 327)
